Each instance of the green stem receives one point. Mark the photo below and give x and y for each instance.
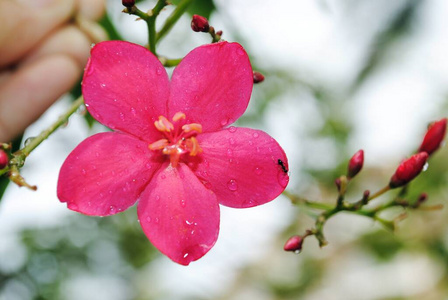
(166, 62)
(380, 192)
(173, 18)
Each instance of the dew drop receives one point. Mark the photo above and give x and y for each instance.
(188, 222)
(255, 135)
(258, 170)
(232, 141)
(240, 52)
(156, 220)
(28, 141)
(72, 206)
(297, 252)
(112, 209)
(148, 166)
(425, 167)
(103, 85)
(232, 185)
(81, 110)
(232, 129)
(186, 254)
(182, 203)
(163, 176)
(83, 171)
(159, 71)
(148, 219)
(224, 122)
(229, 152)
(122, 116)
(283, 179)
(133, 111)
(250, 143)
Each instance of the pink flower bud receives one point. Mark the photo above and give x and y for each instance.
(219, 32)
(128, 3)
(433, 137)
(355, 164)
(294, 244)
(3, 159)
(199, 24)
(408, 170)
(338, 183)
(258, 77)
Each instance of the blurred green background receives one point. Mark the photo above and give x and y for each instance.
(340, 76)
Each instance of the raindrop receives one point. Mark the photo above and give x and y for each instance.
(425, 167)
(283, 179)
(81, 110)
(185, 255)
(159, 71)
(229, 152)
(148, 219)
(122, 116)
(156, 220)
(297, 252)
(134, 113)
(250, 143)
(182, 203)
(83, 171)
(103, 85)
(232, 185)
(72, 206)
(258, 170)
(255, 135)
(188, 223)
(28, 141)
(224, 122)
(232, 129)
(112, 209)
(148, 166)
(240, 51)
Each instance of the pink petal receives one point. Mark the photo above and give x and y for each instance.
(178, 215)
(242, 166)
(105, 174)
(212, 85)
(126, 88)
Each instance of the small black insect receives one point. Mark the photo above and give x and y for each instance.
(280, 162)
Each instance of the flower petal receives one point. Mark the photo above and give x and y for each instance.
(126, 88)
(244, 167)
(178, 215)
(106, 173)
(212, 85)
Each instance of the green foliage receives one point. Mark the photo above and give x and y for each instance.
(199, 7)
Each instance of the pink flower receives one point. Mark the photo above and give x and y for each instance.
(171, 149)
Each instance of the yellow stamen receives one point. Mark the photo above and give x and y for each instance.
(192, 127)
(179, 116)
(163, 124)
(160, 144)
(193, 146)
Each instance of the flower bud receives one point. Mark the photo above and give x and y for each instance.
(408, 170)
(199, 24)
(338, 183)
(422, 198)
(294, 244)
(433, 137)
(355, 164)
(128, 3)
(3, 159)
(258, 77)
(219, 32)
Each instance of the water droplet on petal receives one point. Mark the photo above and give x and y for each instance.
(148, 166)
(425, 167)
(72, 206)
(148, 219)
(186, 254)
(103, 85)
(258, 170)
(83, 171)
(283, 179)
(133, 111)
(224, 122)
(255, 135)
(232, 141)
(232, 185)
(112, 209)
(156, 220)
(229, 152)
(240, 52)
(232, 129)
(122, 116)
(188, 222)
(163, 176)
(159, 71)
(182, 203)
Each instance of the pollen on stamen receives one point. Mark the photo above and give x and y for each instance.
(193, 146)
(163, 124)
(179, 116)
(192, 127)
(160, 144)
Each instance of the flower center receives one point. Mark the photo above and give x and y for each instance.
(180, 138)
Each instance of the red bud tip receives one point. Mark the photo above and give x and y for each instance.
(422, 198)
(433, 137)
(355, 164)
(408, 170)
(128, 3)
(337, 182)
(258, 77)
(3, 159)
(219, 32)
(294, 244)
(199, 24)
